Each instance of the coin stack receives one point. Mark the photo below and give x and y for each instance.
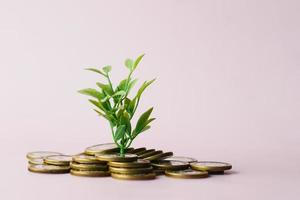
(136, 164)
(88, 165)
(48, 162)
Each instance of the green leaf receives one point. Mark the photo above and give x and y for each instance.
(150, 120)
(106, 69)
(97, 104)
(145, 128)
(125, 120)
(119, 93)
(105, 98)
(143, 87)
(130, 107)
(129, 64)
(137, 61)
(122, 84)
(120, 132)
(131, 84)
(142, 122)
(105, 88)
(92, 92)
(96, 70)
(100, 113)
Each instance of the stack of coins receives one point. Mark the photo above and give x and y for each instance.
(128, 166)
(48, 162)
(136, 164)
(88, 165)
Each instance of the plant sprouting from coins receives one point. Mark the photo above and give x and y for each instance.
(114, 104)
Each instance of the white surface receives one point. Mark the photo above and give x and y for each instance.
(227, 89)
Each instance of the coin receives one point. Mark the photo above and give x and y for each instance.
(41, 154)
(145, 151)
(90, 173)
(135, 151)
(51, 169)
(135, 164)
(210, 166)
(172, 165)
(186, 173)
(159, 156)
(116, 157)
(88, 167)
(130, 170)
(58, 160)
(86, 159)
(148, 176)
(101, 148)
(159, 172)
(148, 154)
(128, 150)
(182, 158)
(36, 161)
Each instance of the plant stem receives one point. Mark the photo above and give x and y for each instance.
(109, 82)
(122, 151)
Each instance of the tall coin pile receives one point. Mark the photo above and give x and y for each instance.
(137, 164)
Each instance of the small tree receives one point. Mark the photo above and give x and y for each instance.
(114, 105)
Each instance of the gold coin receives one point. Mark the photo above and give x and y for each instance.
(135, 151)
(182, 158)
(58, 160)
(172, 165)
(159, 156)
(148, 154)
(86, 159)
(135, 164)
(130, 170)
(41, 154)
(116, 157)
(101, 148)
(186, 173)
(36, 161)
(148, 176)
(51, 169)
(159, 172)
(90, 173)
(210, 166)
(128, 150)
(145, 151)
(88, 167)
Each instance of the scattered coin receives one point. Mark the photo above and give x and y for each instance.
(145, 151)
(41, 154)
(172, 165)
(186, 173)
(130, 170)
(88, 167)
(90, 173)
(210, 166)
(101, 148)
(51, 169)
(134, 176)
(86, 159)
(182, 158)
(116, 157)
(159, 172)
(159, 156)
(36, 161)
(134, 164)
(58, 160)
(148, 154)
(138, 150)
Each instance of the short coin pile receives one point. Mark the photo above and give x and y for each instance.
(137, 164)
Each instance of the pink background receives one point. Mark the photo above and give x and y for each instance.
(228, 75)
